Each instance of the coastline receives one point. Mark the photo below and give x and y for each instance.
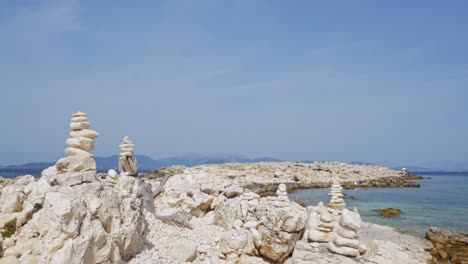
(198, 191)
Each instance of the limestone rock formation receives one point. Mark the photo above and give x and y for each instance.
(320, 224)
(127, 162)
(345, 240)
(448, 247)
(69, 216)
(336, 203)
(275, 224)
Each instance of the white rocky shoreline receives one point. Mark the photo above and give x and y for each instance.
(230, 213)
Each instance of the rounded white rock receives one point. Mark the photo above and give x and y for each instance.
(112, 173)
(81, 143)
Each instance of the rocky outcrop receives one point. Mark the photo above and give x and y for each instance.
(69, 215)
(127, 162)
(274, 224)
(345, 240)
(389, 212)
(448, 247)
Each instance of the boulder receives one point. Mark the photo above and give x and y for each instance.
(448, 247)
(237, 242)
(275, 224)
(390, 212)
(185, 252)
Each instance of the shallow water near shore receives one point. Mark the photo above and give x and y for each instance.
(441, 201)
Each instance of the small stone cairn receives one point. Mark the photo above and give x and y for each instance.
(345, 240)
(336, 203)
(320, 224)
(81, 140)
(127, 163)
(282, 199)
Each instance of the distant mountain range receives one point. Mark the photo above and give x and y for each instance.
(147, 164)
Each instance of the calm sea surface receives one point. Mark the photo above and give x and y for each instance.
(441, 201)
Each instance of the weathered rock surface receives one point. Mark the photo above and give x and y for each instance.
(274, 224)
(239, 213)
(448, 247)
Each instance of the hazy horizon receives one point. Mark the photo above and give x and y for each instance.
(378, 82)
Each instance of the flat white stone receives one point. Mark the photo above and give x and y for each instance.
(79, 125)
(76, 151)
(127, 145)
(345, 251)
(79, 119)
(126, 150)
(78, 114)
(87, 133)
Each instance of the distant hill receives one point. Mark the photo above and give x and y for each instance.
(147, 164)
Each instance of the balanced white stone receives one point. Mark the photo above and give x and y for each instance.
(127, 162)
(336, 203)
(345, 240)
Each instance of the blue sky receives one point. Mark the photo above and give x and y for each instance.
(376, 81)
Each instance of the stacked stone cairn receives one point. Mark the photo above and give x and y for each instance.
(336, 204)
(79, 167)
(345, 239)
(81, 140)
(282, 199)
(127, 163)
(320, 225)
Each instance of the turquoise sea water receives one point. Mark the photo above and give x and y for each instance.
(441, 201)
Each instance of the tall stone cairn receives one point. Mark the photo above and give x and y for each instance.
(79, 166)
(336, 203)
(127, 162)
